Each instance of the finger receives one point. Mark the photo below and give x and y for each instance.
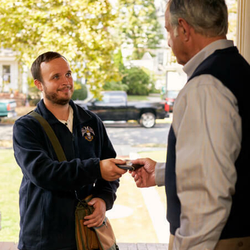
(139, 184)
(120, 171)
(118, 161)
(137, 171)
(89, 217)
(136, 177)
(133, 174)
(115, 177)
(141, 161)
(93, 222)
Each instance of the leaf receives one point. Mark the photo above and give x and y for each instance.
(78, 29)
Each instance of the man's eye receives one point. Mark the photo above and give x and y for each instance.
(68, 74)
(56, 77)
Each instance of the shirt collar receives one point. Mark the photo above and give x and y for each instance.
(195, 61)
(78, 118)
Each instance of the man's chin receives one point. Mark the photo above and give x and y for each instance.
(63, 101)
(57, 99)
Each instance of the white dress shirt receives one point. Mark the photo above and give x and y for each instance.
(207, 127)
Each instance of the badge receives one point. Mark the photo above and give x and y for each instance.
(88, 133)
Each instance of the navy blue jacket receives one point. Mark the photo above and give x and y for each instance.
(228, 66)
(47, 193)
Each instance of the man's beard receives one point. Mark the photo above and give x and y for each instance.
(53, 97)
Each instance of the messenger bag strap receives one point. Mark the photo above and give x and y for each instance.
(51, 134)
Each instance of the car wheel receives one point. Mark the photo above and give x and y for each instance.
(147, 120)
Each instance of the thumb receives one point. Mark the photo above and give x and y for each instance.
(91, 203)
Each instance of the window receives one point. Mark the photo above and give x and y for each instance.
(6, 74)
(160, 58)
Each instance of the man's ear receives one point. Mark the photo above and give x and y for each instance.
(38, 84)
(184, 28)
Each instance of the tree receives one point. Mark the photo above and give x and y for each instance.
(139, 26)
(137, 80)
(232, 11)
(117, 85)
(78, 29)
(81, 93)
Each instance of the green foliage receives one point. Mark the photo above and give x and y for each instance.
(232, 24)
(115, 86)
(136, 98)
(78, 29)
(34, 93)
(118, 60)
(80, 92)
(137, 80)
(139, 26)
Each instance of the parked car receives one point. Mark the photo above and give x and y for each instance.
(7, 108)
(170, 97)
(114, 107)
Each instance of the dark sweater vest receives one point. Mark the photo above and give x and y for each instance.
(228, 66)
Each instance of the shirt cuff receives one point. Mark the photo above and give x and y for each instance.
(160, 173)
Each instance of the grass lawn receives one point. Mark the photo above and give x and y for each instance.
(10, 179)
(134, 98)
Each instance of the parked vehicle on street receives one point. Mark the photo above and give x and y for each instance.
(170, 97)
(7, 108)
(114, 107)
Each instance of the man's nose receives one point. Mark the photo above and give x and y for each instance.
(66, 80)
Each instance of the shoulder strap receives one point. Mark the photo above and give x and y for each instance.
(50, 133)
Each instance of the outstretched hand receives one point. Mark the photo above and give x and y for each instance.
(109, 170)
(144, 176)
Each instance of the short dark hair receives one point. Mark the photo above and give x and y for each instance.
(45, 57)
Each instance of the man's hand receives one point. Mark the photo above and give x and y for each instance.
(109, 171)
(97, 217)
(144, 176)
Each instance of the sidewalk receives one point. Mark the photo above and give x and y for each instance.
(143, 246)
(122, 246)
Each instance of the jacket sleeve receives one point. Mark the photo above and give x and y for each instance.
(33, 155)
(104, 189)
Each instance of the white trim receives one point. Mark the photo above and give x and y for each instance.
(243, 28)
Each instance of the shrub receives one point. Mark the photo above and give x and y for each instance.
(137, 80)
(80, 92)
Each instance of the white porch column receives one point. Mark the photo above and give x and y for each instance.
(243, 28)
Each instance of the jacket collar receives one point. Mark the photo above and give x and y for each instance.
(80, 115)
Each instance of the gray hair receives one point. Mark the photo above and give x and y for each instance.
(207, 17)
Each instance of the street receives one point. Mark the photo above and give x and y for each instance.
(127, 134)
(133, 134)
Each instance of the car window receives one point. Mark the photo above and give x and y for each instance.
(117, 99)
(107, 98)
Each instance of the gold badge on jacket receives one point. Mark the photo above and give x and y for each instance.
(88, 133)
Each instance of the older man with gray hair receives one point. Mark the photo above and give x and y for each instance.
(206, 173)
